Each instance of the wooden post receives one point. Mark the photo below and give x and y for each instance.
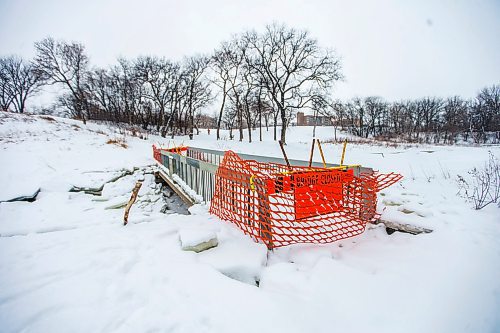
(312, 153)
(321, 153)
(264, 214)
(135, 192)
(284, 155)
(171, 165)
(343, 153)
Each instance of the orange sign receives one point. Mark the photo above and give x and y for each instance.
(319, 193)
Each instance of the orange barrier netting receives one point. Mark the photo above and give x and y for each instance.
(157, 154)
(157, 151)
(278, 205)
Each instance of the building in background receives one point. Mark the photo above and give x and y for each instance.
(307, 120)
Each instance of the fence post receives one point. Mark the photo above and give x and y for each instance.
(171, 165)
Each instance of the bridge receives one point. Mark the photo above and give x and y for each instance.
(276, 203)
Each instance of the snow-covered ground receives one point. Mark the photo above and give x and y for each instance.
(67, 264)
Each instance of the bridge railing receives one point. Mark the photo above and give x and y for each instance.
(197, 167)
(196, 177)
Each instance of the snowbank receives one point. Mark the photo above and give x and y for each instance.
(67, 264)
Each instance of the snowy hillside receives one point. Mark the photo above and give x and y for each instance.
(67, 264)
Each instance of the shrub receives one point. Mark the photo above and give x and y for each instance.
(483, 188)
(119, 142)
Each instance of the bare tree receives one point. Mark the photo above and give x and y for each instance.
(293, 67)
(431, 108)
(222, 65)
(485, 113)
(197, 87)
(483, 187)
(66, 64)
(160, 76)
(375, 110)
(395, 120)
(19, 81)
(6, 86)
(237, 80)
(99, 81)
(261, 106)
(454, 119)
(357, 113)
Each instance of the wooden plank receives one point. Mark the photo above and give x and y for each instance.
(177, 189)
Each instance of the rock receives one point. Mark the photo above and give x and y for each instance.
(164, 209)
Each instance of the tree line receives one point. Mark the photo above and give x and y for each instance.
(423, 120)
(261, 79)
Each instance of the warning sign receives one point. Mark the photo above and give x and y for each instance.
(319, 193)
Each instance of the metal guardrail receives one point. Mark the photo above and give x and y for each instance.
(198, 168)
(197, 174)
(215, 157)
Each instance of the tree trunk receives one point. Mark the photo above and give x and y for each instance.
(249, 132)
(283, 126)
(260, 124)
(219, 120)
(240, 121)
(315, 122)
(249, 120)
(275, 124)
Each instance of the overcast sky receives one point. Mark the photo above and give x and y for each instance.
(394, 49)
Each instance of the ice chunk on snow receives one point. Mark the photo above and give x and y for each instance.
(122, 186)
(197, 240)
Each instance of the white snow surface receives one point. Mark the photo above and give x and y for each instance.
(67, 264)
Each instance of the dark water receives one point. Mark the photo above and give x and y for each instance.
(173, 203)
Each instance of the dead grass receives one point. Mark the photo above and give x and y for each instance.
(117, 142)
(48, 118)
(100, 132)
(24, 117)
(135, 132)
(371, 142)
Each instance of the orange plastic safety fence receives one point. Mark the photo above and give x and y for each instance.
(157, 151)
(279, 206)
(157, 154)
